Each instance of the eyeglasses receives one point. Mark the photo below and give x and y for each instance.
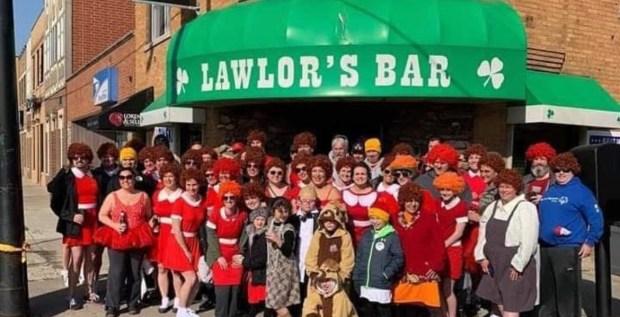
(563, 170)
(300, 169)
(252, 165)
(402, 173)
(307, 201)
(125, 177)
(190, 162)
(209, 174)
(228, 198)
(276, 173)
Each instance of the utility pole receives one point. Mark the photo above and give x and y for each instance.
(13, 276)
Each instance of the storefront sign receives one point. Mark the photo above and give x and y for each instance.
(397, 71)
(105, 87)
(603, 137)
(124, 120)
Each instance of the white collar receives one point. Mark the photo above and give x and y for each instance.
(392, 188)
(455, 201)
(511, 204)
(223, 213)
(171, 197)
(365, 200)
(473, 174)
(78, 173)
(190, 201)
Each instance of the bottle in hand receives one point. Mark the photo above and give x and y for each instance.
(155, 225)
(123, 220)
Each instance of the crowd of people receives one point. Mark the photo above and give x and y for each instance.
(356, 232)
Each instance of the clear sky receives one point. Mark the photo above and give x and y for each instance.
(25, 13)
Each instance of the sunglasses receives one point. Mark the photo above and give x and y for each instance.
(563, 170)
(404, 174)
(277, 173)
(300, 169)
(252, 165)
(79, 158)
(293, 152)
(228, 198)
(387, 172)
(125, 177)
(190, 162)
(209, 174)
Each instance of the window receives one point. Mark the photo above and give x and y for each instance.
(160, 22)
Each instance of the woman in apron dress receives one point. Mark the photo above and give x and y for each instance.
(506, 247)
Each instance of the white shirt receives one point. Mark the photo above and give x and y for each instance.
(306, 231)
(522, 230)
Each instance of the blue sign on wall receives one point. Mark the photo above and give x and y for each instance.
(105, 87)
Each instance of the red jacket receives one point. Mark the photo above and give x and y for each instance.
(422, 243)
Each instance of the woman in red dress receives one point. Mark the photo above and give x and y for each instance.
(224, 169)
(225, 229)
(75, 193)
(357, 199)
(163, 202)
(163, 157)
(183, 253)
(275, 186)
(125, 214)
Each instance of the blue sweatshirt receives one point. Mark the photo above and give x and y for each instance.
(569, 215)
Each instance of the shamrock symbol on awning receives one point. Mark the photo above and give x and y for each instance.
(493, 71)
(182, 80)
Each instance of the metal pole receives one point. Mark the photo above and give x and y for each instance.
(13, 281)
(603, 275)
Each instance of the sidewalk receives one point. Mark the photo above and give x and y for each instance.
(48, 296)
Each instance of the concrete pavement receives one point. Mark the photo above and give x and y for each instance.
(48, 296)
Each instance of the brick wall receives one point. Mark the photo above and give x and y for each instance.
(96, 25)
(587, 31)
(80, 88)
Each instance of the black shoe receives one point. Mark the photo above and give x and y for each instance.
(111, 312)
(163, 310)
(74, 304)
(207, 305)
(134, 310)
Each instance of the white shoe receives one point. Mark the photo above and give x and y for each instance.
(190, 313)
(165, 304)
(181, 312)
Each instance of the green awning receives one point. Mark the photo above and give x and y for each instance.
(566, 99)
(159, 112)
(271, 49)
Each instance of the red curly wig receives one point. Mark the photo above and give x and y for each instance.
(229, 165)
(409, 192)
(305, 138)
(566, 160)
(402, 148)
(148, 152)
(542, 149)
(475, 148)
(80, 149)
(494, 161)
(229, 188)
(509, 177)
(451, 181)
(257, 135)
(253, 190)
(346, 161)
(274, 162)
(108, 149)
(210, 151)
(194, 155)
(444, 153)
(323, 162)
(387, 160)
(301, 158)
(255, 155)
(161, 151)
(170, 168)
(191, 174)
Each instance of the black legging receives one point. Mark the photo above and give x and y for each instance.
(122, 263)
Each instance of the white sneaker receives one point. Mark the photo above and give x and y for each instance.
(165, 305)
(181, 312)
(175, 306)
(190, 313)
(65, 277)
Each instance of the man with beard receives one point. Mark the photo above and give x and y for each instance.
(538, 181)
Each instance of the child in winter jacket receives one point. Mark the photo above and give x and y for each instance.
(255, 260)
(379, 262)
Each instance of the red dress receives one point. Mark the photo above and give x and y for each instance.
(212, 197)
(449, 216)
(228, 230)
(138, 234)
(86, 190)
(193, 215)
(162, 207)
(470, 237)
(357, 209)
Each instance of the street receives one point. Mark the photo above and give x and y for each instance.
(48, 296)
